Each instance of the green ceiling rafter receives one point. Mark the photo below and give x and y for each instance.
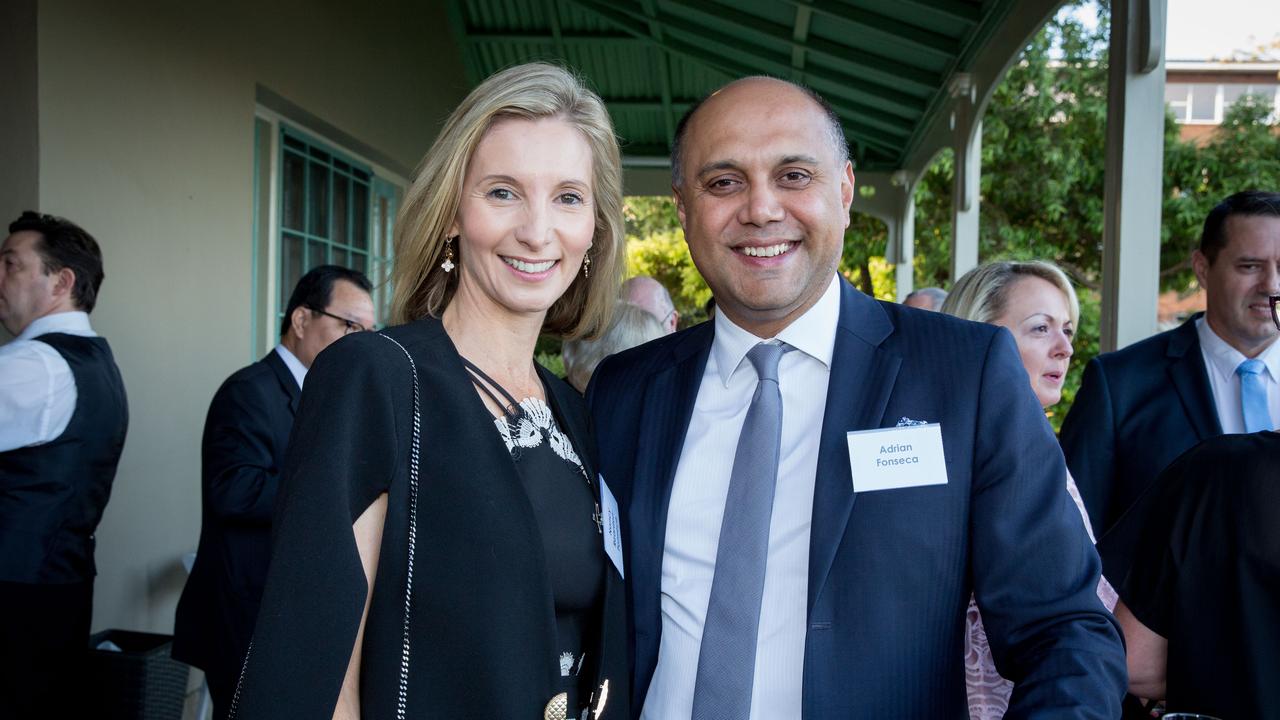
(763, 60)
(884, 65)
(956, 10)
(471, 60)
(651, 105)
(566, 39)
(664, 71)
(887, 72)
(553, 16)
(800, 33)
(916, 38)
(867, 125)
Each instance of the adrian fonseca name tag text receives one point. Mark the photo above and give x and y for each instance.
(896, 458)
(896, 454)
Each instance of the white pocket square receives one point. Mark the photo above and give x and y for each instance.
(908, 422)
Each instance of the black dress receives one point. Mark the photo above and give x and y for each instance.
(1206, 575)
(467, 615)
(568, 516)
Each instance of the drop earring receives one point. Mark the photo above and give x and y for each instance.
(448, 265)
(586, 265)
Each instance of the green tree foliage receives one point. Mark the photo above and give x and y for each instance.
(1043, 162)
(656, 247)
(1242, 154)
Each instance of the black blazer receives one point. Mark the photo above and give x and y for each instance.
(245, 436)
(1137, 410)
(480, 616)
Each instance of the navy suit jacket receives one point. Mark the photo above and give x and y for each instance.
(1138, 409)
(245, 436)
(891, 571)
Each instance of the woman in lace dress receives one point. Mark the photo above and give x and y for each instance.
(1036, 302)
(438, 545)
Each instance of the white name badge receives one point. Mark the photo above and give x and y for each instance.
(894, 458)
(610, 526)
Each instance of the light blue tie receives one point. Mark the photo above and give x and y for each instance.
(1253, 396)
(727, 659)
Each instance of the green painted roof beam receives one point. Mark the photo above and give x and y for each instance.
(916, 38)
(882, 100)
(869, 129)
(889, 72)
(553, 15)
(800, 33)
(544, 38)
(957, 10)
(649, 105)
(874, 131)
(471, 60)
(664, 71)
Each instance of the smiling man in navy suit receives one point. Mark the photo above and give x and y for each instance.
(781, 560)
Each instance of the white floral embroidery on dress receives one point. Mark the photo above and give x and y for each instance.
(536, 422)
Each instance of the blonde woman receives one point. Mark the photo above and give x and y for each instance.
(437, 547)
(1037, 304)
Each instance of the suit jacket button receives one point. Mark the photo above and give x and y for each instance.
(557, 708)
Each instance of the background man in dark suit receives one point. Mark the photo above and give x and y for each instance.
(755, 601)
(1141, 407)
(63, 417)
(243, 451)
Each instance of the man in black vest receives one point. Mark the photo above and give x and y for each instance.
(245, 435)
(63, 417)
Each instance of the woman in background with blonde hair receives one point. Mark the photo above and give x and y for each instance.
(1036, 302)
(438, 548)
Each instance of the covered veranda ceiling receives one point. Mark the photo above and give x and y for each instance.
(888, 67)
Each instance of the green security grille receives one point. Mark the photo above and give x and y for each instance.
(325, 203)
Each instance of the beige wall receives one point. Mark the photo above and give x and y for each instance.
(19, 161)
(146, 138)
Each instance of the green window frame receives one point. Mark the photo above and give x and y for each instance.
(333, 210)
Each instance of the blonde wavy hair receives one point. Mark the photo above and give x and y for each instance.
(530, 92)
(983, 293)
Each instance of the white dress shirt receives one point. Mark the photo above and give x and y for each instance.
(37, 389)
(697, 508)
(1221, 361)
(292, 362)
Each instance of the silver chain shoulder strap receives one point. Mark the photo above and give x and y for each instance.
(402, 693)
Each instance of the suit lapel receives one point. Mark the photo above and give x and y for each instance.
(668, 405)
(862, 378)
(1191, 380)
(287, 383)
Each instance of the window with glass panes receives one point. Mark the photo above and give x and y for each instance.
(1208, 103)
(325, 204)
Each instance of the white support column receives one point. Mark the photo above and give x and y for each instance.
(893, 202)
(966, 127)
(1135, 167)
(902, 235)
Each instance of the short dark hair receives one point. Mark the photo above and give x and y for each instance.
(63, 244)
(1246, 203)
(315, 290)
(834, 126)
